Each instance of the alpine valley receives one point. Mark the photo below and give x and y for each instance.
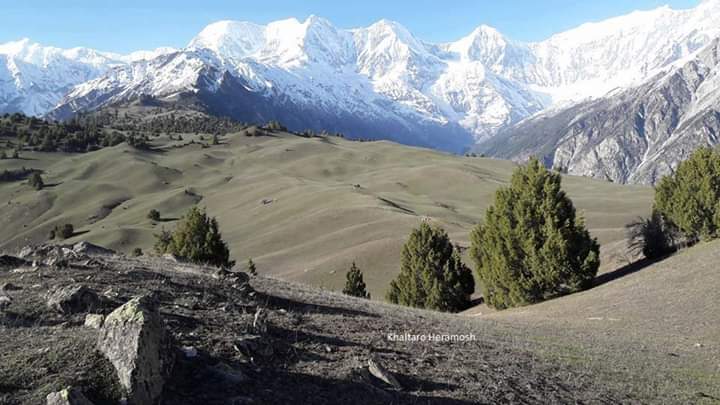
(623, 99)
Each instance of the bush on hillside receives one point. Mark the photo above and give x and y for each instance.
(35, 181)
(431, 275)
(251, 268)
(63, 232)
(532, 246)
(652, 236)
(196, 239)
(354, 283)
(154, 215)
(690, 198)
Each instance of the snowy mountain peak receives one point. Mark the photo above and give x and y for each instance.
(387, 33)
(14, 47)
(294, 43)
(233, 39)
(484, 44)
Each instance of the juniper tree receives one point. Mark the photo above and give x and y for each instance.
(432, 274)
(197, 239)
(532, 246)
(690, 198)
(354, 283)
(251, 268)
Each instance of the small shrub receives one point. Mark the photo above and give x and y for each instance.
(35, 181)
(354, 284)
(137, 252)
(163, 240)
(652, 236)
(252, 270)
(63, 232)
(154, 215)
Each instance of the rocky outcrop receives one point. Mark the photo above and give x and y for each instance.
(73, 299)
(68, 396)
(94, 321)
(87, 248)
(134, 339)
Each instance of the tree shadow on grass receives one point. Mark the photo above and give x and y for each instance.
(78, 233)
(51, 185)
(625, 270)
(171, 219)
(274, 302)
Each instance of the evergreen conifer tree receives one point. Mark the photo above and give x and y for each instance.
(532, 246)
(197, 239)
(354, 283)
(431, 275)
(252, 269)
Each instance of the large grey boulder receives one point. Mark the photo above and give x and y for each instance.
(68, 396)
(135, 341)
(73, 299)
(87, 248)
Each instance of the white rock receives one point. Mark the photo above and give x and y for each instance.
(94, 321)
(134, 339)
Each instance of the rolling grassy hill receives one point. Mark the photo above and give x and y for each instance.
(302, 208)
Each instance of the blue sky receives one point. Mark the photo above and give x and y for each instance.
(127, 25)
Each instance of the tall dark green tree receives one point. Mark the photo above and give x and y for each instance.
(690, 197)
(197, 239)
(532, 246)
(354, 283)
(432, 275)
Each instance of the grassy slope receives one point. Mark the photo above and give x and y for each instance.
(658, 326)
(317, 222)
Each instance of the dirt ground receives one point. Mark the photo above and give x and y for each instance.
(309, 346)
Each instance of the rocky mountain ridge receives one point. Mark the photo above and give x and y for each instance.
(633, 136)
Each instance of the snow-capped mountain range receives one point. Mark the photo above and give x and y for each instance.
(379, 81)
(34, 78)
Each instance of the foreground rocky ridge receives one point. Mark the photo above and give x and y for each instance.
(236, 342)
